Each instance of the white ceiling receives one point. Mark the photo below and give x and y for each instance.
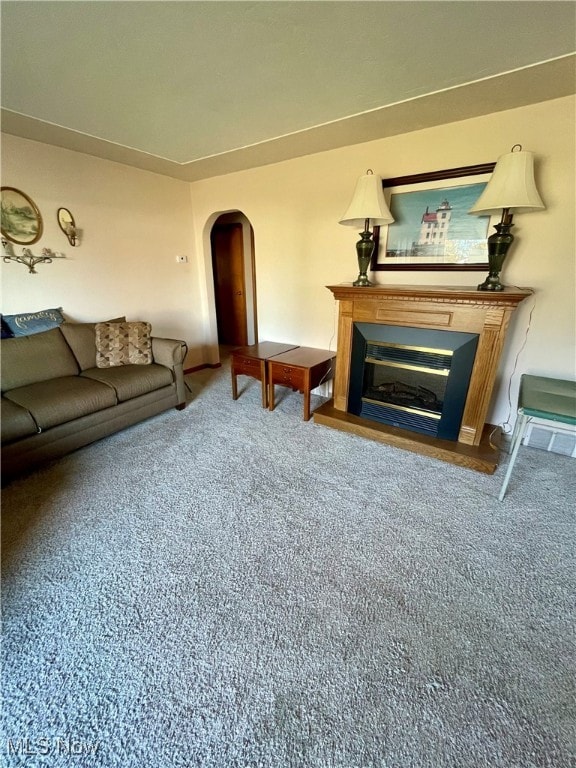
(197, 89)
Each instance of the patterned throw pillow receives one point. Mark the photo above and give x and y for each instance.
(81, 338)
(123, 344)
(33, 322)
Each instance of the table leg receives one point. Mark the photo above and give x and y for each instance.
(264, 380)
(271, 395)
(306, 394)
(234, 385)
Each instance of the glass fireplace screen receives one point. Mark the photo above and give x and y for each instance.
(408, 382)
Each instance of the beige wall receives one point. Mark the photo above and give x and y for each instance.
(135, 223)
(294, 209)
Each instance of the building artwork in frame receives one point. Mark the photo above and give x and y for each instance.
(432, 228)
(21, 219)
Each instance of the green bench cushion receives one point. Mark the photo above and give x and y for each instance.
(546, 398)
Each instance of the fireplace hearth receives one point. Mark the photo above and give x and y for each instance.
(396, 386)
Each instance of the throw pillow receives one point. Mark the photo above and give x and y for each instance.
(6, 332)
(123, 344)
(34, 322)
(81, 338)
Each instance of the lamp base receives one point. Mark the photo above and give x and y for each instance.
(364, 249)
(362, 282)
(498, 245)
(492, 283)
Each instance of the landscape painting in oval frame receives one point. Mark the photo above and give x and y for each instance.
(21, 219)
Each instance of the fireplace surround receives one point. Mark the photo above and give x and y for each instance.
(479, 319)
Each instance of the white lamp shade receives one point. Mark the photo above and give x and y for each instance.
(368, 203)
(511, 185)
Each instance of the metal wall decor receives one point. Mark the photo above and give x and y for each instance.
(27, 258)
(21, 219)
(68, 225)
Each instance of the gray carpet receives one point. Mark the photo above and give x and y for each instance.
(225, 587)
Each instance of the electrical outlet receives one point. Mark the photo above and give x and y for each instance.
(181, 259)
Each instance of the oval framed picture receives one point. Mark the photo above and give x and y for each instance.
(21, 219)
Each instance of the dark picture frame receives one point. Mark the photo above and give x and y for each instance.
(427, 207)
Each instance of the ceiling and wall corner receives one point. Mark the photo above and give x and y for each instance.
(199, 89)
(511, 80)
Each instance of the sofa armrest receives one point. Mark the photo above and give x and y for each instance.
(168, 352)
(171, 353)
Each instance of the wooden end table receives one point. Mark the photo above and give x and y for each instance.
(251, 361)
(302, 369)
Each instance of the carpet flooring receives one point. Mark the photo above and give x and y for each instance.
(226, 587)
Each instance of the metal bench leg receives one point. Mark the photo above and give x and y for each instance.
(516, 443)
(515, 431)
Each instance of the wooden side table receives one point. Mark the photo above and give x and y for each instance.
(251, 361)
(302, 369)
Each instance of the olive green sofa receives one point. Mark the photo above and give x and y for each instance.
(55, 399)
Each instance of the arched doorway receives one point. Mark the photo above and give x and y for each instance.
(232, 247)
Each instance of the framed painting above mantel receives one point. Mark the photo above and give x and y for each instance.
(432, 229)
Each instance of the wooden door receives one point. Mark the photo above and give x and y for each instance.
(229, 283)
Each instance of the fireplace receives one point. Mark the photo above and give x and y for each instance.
(412, 378)
(380, 336)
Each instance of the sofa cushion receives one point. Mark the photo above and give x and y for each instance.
(123, 344)
(130, 381)
(16, 421)
(28, 323)
(82, 340)
(42, 356)
(57, 401)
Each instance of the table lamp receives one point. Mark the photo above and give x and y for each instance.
(367, 209)
(511, 188)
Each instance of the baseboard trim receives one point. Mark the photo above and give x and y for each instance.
(202, 367)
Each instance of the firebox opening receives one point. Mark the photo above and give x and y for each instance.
(412, 378)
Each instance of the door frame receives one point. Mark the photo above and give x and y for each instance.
(229, 271)
(235, 217)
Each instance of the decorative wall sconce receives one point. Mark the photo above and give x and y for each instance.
(28, 258)
(68, 225)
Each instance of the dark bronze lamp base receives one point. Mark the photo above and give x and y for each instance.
(498, 245)
(364, 249)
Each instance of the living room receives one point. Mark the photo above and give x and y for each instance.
(133, 223)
